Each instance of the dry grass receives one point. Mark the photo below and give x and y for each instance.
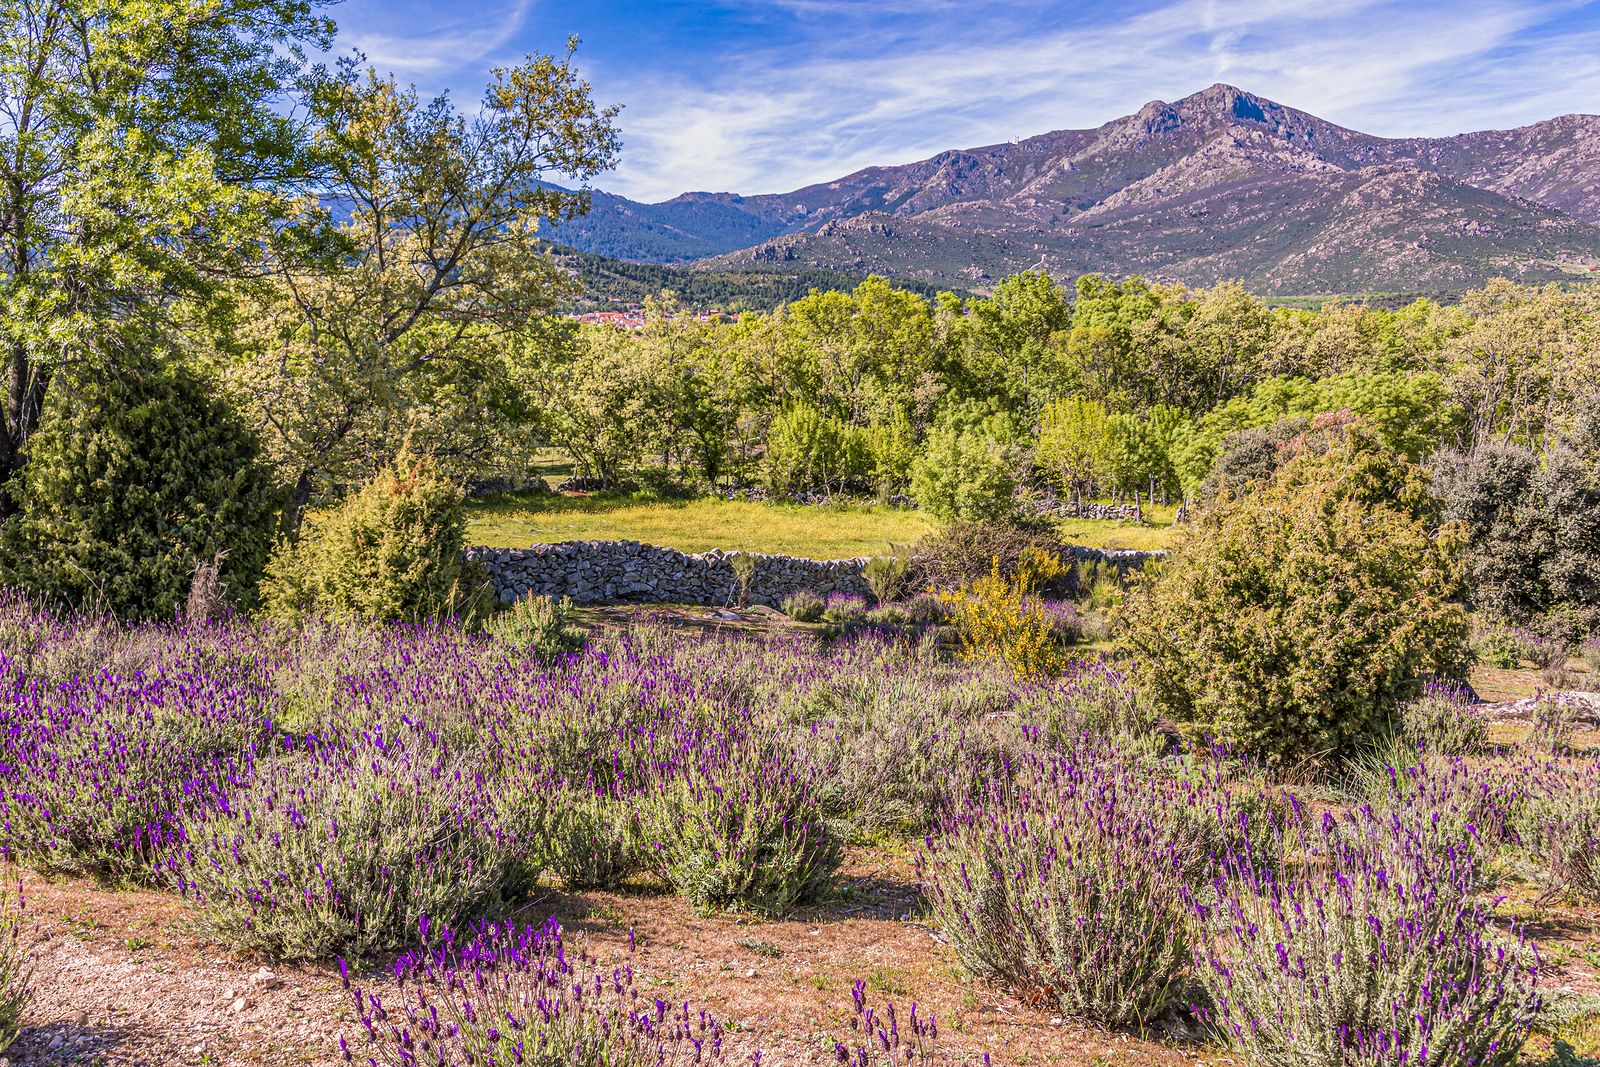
(697, 525)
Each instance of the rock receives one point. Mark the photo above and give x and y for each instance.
(265, 979)
(239, 1004)
(56, 1043)
(80, 1018)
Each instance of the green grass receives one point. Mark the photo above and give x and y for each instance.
(1156, 532)
(700, 524)
(696, 525)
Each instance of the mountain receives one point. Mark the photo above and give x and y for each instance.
(1221, 184)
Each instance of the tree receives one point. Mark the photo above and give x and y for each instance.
(1073, 438)
(133, 480)
(441, 283)
(146, 160)
(1295, 621)
(967, 471)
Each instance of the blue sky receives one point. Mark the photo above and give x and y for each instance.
(768, 96)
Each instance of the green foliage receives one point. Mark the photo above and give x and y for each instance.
(808, 450)
(347, 868)
(886, 575)
(16, 969)
(538, 626)
(1001, 621)
(1411, 413)
(969, 466)
(741, 829)
(804, 606)
(391, 552)
(585, 837)
(149, 160)
(1444, 720)
(135, 477)
(1533, 529)
(1294, 622)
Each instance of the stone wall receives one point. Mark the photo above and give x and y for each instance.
(594, 572)
(597, 572)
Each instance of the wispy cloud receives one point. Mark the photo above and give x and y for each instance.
(428, 42)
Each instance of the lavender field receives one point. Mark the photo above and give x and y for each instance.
(460, 852)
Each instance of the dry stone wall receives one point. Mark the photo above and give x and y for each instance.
(600, 572)
(595, 572)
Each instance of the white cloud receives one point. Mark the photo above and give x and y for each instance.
(432, 47)
(786, 117)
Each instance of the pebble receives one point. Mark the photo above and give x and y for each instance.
(239, 1004)
(56, 1043)
(81, 1019)
(751, 973)
(265, 979)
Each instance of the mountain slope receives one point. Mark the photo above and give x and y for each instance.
(1220, 184)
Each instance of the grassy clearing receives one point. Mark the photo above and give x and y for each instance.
(696, 525)
(1156, 532)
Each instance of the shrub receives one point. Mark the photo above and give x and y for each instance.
(961, 553)
(1065, 879)
(99, 777)
(926, 609)
(500, 994)
(1366, 957)
(1590, 653)
(1552, 724)
(343, 854)
(133, 478)
(743, 565)
(844, 609)
(1293, 623)
(885, 575)
(804, 605)
(1445, 719)
(16, 969)
(1561, 827)
(586, 837)
(1533, 526)
(538, 626)
(391, 552)
(737, 825)
(1494, 646)
(1001, 621)
(888, 616)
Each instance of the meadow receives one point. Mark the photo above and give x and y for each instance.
(698, 524)
(248, 842)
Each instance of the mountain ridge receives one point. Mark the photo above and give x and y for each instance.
(1220, 184)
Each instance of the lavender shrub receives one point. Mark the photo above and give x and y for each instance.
(736, 824)
(1066, 876)
(1362, 955)
(16, 969)
(1445, 719)
(342, 848)
(500, 994)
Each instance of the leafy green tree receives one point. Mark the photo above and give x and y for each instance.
(133, 479)
(435, 313)
(1004, 343)
(1072, 445)
(968, 468)
(1410, 412)
(147, 159)
(1295, 621)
